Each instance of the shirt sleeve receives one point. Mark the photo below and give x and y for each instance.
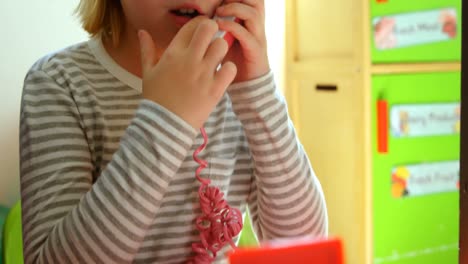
(286, 198)
(67, 218)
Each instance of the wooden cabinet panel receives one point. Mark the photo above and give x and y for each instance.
(329, 124)
(327, 92)
(324, 29)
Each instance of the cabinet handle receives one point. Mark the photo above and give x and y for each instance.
(326, 87)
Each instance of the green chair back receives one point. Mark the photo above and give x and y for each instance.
(13, 237)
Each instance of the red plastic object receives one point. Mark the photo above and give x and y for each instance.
(317, 252)
(382, 1)
(382, 126)
(229, 39)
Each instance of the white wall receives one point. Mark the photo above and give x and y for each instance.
(275, 29)
(31, 29)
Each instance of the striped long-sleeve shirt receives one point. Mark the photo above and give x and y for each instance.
(107, 177)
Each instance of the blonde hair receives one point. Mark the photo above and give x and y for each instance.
(102, 17)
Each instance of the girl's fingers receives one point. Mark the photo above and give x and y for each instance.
(216, 53)
(223, 78)
(185, 35)
(147, 51)
(202, 38)
(252, 18)
(257, 4)
(245, 38)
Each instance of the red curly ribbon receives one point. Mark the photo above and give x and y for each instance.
(218, 223)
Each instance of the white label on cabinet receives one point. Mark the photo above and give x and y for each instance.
(425, 119)
(427, 178)
(409, 29)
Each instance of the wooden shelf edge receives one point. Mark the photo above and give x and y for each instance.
(414, 67)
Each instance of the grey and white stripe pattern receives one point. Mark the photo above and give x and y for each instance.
(107, 177)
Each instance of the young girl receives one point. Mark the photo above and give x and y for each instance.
(109, 126)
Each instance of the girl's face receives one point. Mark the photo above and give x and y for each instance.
(163, 18)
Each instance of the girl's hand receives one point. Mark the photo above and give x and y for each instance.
(250, 52)
(185, 80)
